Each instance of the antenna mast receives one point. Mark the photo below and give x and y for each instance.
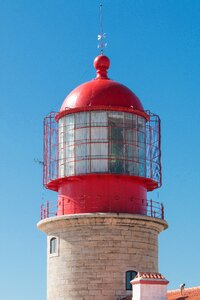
(101, 36)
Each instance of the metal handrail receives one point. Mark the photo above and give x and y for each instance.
(152, 208)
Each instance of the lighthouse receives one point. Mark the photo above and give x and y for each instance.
(101, 155)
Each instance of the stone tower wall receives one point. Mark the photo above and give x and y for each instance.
(94, 251)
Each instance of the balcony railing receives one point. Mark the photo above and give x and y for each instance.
(51, 208)
(125, 147)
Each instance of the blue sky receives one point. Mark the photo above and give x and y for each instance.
(47, 48)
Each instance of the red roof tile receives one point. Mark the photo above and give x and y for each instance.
(149, 275)
(187, 294)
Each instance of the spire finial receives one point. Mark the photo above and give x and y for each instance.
(101, 36)
(102, 64)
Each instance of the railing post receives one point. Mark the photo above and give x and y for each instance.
(151, 207)
(162, 211)
(41, 212)
(47, 209)
(44, 210)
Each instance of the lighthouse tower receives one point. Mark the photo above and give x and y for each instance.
(102, 156)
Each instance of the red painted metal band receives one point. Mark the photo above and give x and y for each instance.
(105, 108)
(54, 184)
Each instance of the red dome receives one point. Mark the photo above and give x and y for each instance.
(101, 91)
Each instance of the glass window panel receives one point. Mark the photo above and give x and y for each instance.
(116, 150)
(134, 121)
(82, 119)
(116, 166)
(99, 133)
(129, 167)
(128, 120)
(130, 275)
(99, 165)
(115, 118)
(99, 118)
(136, 153)
(82, 134)
(135, 139)
(142, 169)
(53, 245)
(131, 135)
(142, 155)
(61, 169)
(116, 133)
(82, 151)
(129, 151)
(82, 167)
(61, 153)
(69, 168)
(69, 136)
(141, 124)
(70, 152)
(61, 124)
(69, 122)
(148, 169)
(115, 122)
(99, 150)
(141, 137)
(136, 169)
(60, 136)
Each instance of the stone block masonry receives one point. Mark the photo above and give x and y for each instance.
(94, 251)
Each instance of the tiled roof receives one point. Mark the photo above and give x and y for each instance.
(149, 275)
(187, 294)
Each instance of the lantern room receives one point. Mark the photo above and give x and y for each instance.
(101, 141)
(102, 150)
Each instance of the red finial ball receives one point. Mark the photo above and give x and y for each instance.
(101, 64)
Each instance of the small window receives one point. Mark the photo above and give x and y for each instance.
(130, 275)
(53, 245)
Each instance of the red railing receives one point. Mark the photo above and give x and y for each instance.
(50, 208)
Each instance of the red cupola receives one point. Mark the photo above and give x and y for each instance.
(102, 149)
(101, 91)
